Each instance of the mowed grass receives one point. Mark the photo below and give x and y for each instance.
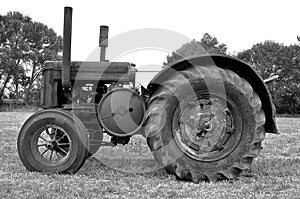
(131, 172)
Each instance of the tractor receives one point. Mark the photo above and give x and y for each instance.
(204, 117)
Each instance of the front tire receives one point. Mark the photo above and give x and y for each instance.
(205, 123)
(52, 141)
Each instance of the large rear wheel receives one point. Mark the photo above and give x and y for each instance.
(205, 123)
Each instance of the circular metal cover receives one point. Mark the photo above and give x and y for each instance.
(121, 112)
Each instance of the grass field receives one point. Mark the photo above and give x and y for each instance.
(275, 174)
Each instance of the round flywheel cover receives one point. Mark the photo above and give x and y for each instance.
(121, 112)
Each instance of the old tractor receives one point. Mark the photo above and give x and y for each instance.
(204, 117)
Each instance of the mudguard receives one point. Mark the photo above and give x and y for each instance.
(238, 66)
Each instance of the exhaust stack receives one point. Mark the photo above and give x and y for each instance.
(103, 42)
(66, 64)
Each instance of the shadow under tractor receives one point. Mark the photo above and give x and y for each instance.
(204, 117)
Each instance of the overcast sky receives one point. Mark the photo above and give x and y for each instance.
(239, 24)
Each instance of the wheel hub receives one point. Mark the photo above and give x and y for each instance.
(52, 145)
(204, 127)
(204, 123)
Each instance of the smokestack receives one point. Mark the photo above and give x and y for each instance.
(103, 42)
(66, 64)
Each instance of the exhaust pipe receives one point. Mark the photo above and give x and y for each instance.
(66, 64)
(103, 42)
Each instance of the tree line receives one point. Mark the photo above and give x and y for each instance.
(25, 46)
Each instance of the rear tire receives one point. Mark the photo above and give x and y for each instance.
(52, 141)
(205, 124)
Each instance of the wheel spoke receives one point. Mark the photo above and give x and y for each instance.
(51, 155)
(61, 137)
(39, 145)
(48, 133)
(58, 156)
(63, 150)
(44, 152)
(63, 144)
(55, 133)
(43, 138)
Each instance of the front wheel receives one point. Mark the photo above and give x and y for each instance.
(205, 123)
(52, 141)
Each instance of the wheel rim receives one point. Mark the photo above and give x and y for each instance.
(207, 127)
(51, 145)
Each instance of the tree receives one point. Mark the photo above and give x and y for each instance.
(272, 58)
(44, 45)
(24, 47)
(13, 46)
(207, 45)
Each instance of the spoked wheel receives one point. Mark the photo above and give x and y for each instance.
(205, 123)
(52, 141)
(51, 145)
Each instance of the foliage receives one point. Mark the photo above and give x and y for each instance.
(25, 45)
(272, 58)
(207, 44)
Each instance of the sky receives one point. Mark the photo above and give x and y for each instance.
(238, 24)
